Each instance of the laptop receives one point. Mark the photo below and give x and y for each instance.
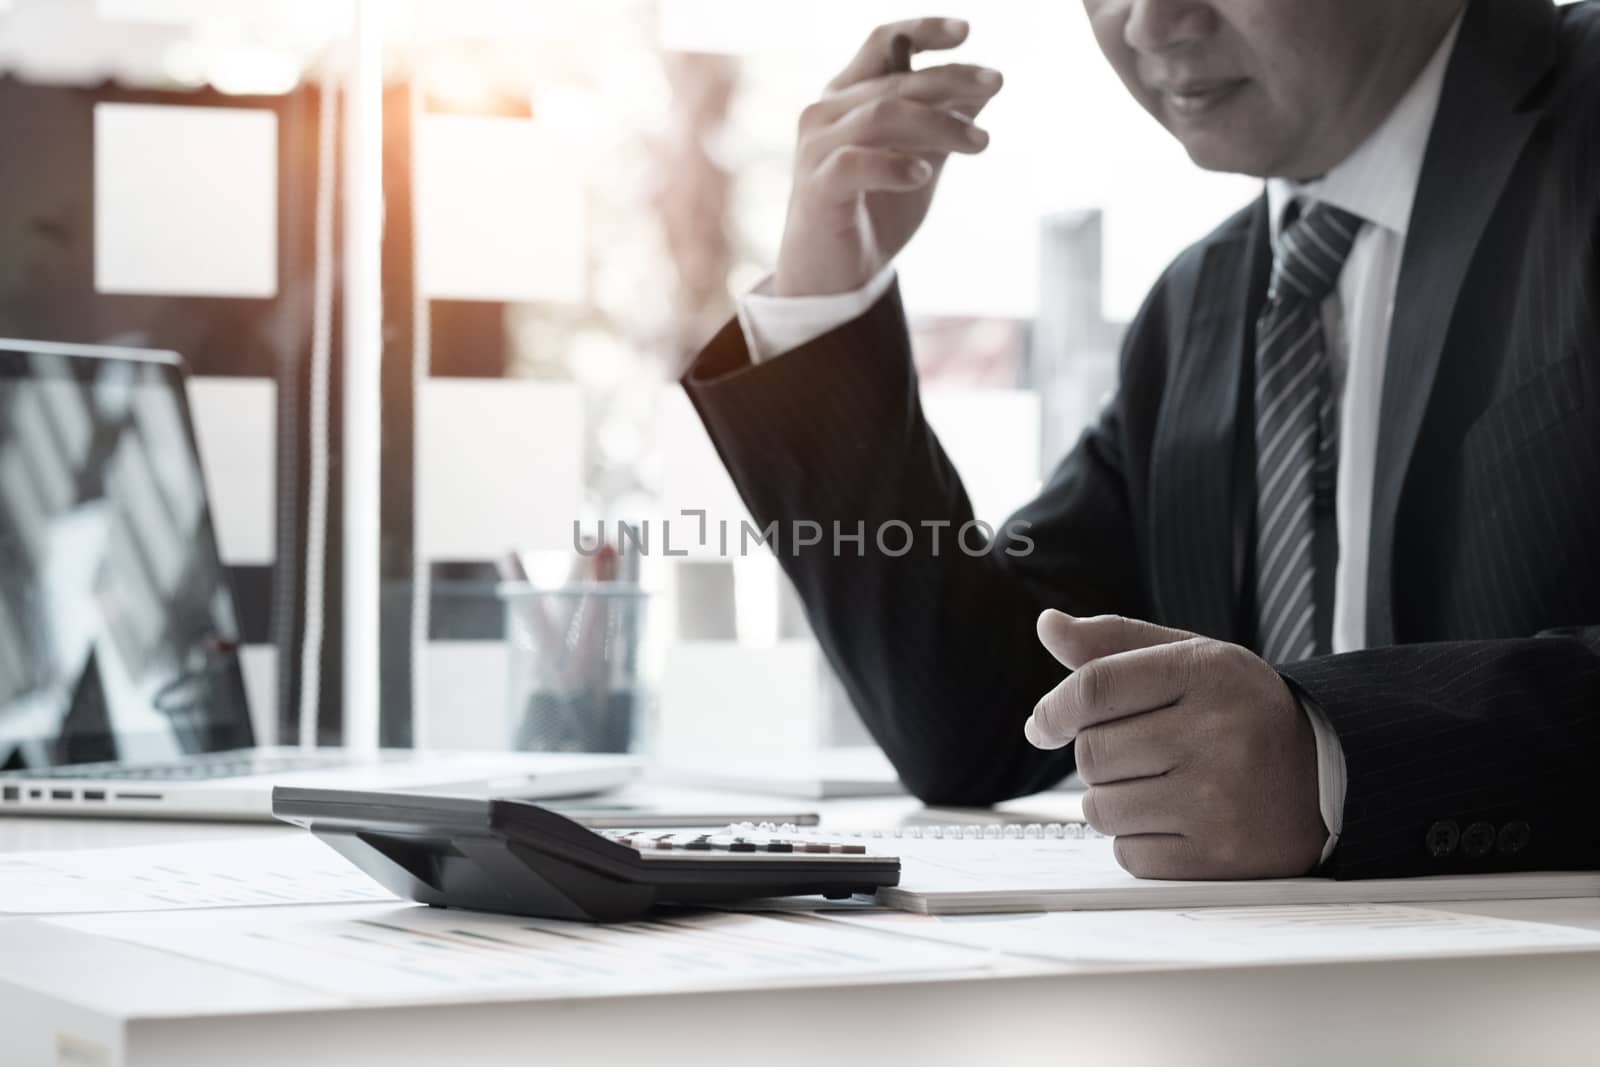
(120, 686)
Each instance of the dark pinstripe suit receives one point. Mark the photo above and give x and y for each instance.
(1478, 707)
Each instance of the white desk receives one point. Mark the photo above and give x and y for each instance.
(172, 1012)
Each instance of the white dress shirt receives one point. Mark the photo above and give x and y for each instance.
(1378, 183)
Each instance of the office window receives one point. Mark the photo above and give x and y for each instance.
(651, 146)
(572, 196)
(165, 200)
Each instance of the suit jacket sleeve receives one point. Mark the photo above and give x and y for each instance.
(936, 647)
(1465, 756)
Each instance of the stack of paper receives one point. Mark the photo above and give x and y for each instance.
(1065, 874)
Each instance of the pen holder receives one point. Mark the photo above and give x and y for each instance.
(576, 684)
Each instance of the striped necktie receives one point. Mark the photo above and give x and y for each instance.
(1297, 441)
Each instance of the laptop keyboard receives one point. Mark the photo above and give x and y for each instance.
(193, 769)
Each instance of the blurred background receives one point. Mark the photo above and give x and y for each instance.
(566, 198)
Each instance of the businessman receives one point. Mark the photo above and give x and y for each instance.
(1320, 590)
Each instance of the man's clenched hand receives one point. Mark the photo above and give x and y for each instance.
(1198, 758)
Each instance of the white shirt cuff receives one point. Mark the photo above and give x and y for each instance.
(1330, 776)
(774, 325)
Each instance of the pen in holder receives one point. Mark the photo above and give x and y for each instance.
(575, 682)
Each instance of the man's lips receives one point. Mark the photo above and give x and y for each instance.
(1197, 97)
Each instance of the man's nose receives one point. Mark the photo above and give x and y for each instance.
(1162, 25)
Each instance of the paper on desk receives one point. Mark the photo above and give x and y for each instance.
(384, 952)
(1304, 933)
(229, 874)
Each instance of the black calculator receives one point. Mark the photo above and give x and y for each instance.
(517, 858)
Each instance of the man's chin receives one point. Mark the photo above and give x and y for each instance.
(1226, 155)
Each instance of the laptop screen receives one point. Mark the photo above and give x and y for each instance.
(118, 634)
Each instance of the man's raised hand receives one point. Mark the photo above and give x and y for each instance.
(869, 155)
